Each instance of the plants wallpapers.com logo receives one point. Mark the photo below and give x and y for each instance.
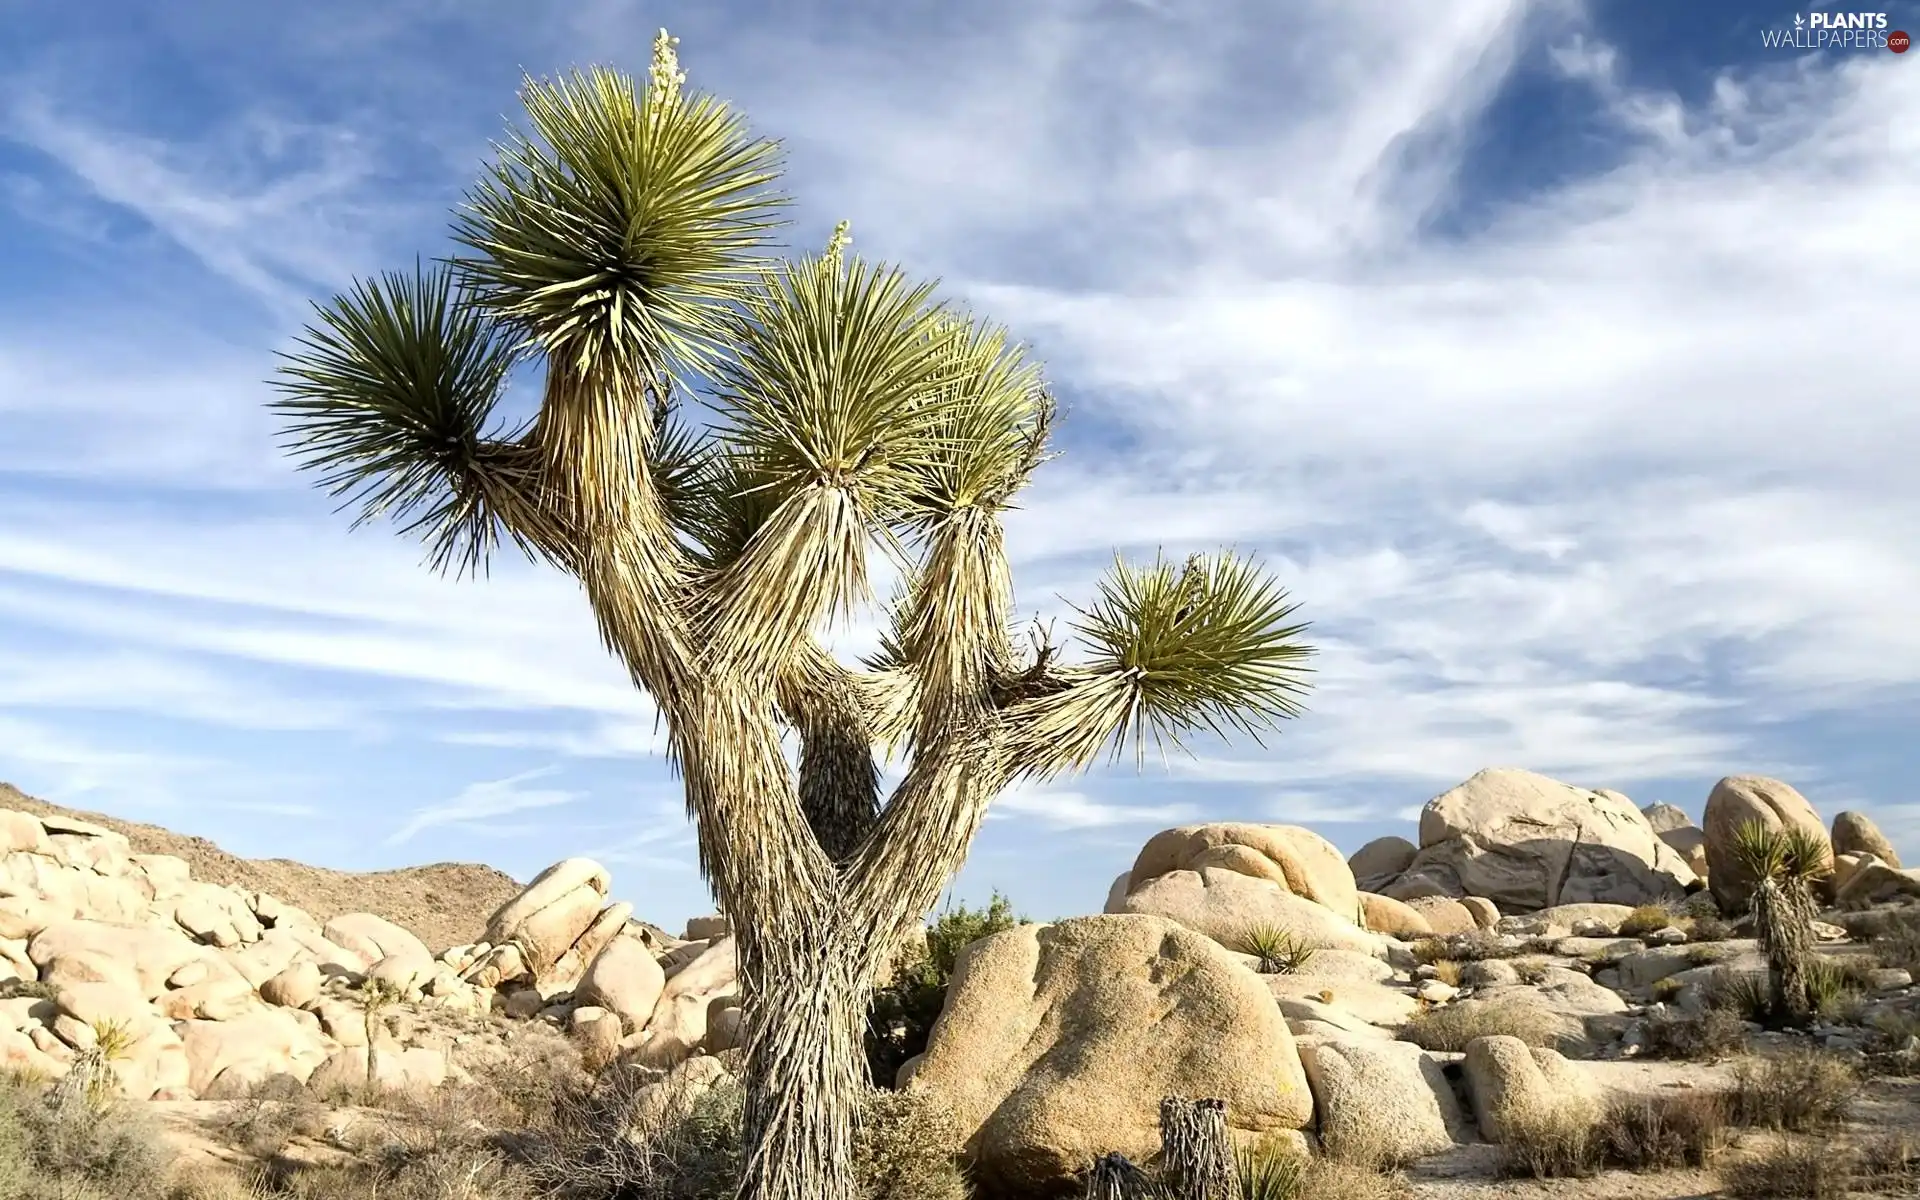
(1838, 31)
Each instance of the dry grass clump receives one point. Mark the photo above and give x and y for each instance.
(60, 1146)
(1707, 929)
(1446, 971)
(1695, 1037)
(1649, 1133)
(1281, 1173)
(1450, 1027)
(1664, 1133)
(1478, 946)
(1648, 918)
(1798, 1091)
(1894, 934)
(1789, 1169)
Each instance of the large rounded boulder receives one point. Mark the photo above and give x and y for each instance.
(1855, 833)
(1228, 879)
(1528, 842)
(1739, 800)
(1058, 1042)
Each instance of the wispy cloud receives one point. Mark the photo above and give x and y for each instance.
(1078, 810)
(478, 802)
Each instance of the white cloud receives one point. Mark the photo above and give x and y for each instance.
(477, 802)
(1610, 480)
(1077, 810)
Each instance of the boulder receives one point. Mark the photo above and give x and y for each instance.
(226, 1059)
(1396, 919)
(395, 1068)
(137, 958)
(1375, 1003)
(1665, 818)
(1735, 801)
(1486, 914)
(1444, 915)
(1386, 1099)
(705, 929)
(213, 915)
(604, 928)
(295, 987)
(1872, 882)
(1058, 1042)
(1294, 859)
(1513, 1084)
(1528, 842)
(1381, 861)
(551, 913)
(625, 980)
(678, 1025)
(1117, 892)
(1225, 905)
(24, 833)
(1855, 833)
(1563, 919)
(373, 938)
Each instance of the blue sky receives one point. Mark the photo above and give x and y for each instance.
(1557, 357)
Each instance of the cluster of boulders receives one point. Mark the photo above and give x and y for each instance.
(1057, 1041)
(1586, 918)
(205, 991)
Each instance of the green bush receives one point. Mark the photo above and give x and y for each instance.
(905, 1008)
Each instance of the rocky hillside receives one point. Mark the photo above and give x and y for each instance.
(436, 903)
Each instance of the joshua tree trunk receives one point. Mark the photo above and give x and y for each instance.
(1782, 918)
(617, 243)
(1196, 1149)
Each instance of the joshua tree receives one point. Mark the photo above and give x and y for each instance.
(617, 246)
(1784, 862)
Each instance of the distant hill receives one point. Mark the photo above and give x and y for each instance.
(443, 904)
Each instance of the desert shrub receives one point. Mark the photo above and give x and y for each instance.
(1835, 986)
(1891, 1161)
(1561, 1141)
(1648, 918)
(1283, 1173)
(76, 1151)
(904, 1009)
(1788, 1169)
(1662, 1133)
(1446, 971)
(1799, 1090)
(27, 989)
(1478, 946)
(602, 1143)
(1450, 1027)
(1278, 950)
(1709, 929)
(1743, 993)
(907, 1149)
(1711, 954)
(1665, 990)
(1532, 971)
(1892, 1048)
(1694, 1037)
(1894, 934)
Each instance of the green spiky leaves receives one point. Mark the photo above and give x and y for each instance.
(617, 235)
(1209, 645)
(389, 396)
(1787, 854)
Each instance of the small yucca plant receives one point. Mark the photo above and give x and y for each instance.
(1270, 1174)
(1280, 952)
(1784, 862)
